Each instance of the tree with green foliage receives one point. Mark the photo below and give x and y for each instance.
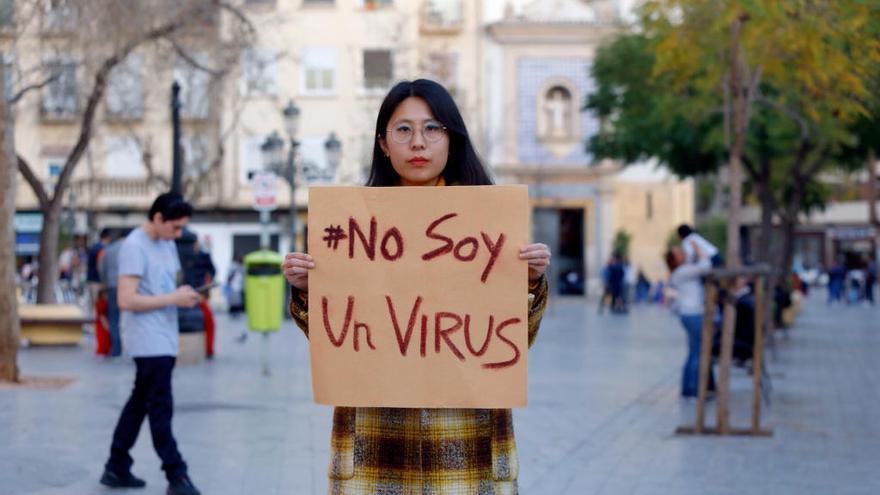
(774, 85)
(620, 244)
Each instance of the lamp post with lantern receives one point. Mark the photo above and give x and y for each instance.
(273, 153)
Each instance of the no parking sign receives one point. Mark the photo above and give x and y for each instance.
(265, 190)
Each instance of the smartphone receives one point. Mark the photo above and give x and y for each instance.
(207, 287)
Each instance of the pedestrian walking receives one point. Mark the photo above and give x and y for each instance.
(203, 273)
(93, 276)
(149, 268)
(605, 298)
(870, 279)
(440, 451)
(108, 270)
(616, 284)
(102, 332)
(836, 279)
(690, 238)
(689, 304)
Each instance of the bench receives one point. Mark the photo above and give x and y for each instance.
(52, 324)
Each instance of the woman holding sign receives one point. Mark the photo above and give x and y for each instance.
(421, 140)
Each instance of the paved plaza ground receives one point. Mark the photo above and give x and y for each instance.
(603, 407)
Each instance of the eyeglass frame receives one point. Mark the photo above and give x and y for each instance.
(389, 132)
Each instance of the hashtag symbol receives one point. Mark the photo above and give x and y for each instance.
(334, 235)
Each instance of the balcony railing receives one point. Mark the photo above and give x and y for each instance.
(442, 16)
(106, 192)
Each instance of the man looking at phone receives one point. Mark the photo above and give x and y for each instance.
(148, 296)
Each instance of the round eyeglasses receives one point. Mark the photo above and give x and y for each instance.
(403, 133)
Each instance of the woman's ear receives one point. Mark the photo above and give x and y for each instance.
(383, 145)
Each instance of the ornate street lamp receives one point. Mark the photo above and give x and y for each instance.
(333, 152)
(272, 150)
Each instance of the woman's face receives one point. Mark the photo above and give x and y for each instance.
(416, 143)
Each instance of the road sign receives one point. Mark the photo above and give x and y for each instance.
(265, 189)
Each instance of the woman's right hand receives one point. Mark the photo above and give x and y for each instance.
(296, 268)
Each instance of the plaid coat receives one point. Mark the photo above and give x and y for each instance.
(394, 451)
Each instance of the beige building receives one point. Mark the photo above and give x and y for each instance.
(518, 72)
(538, 61)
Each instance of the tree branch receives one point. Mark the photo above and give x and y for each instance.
(182, 53)
(33, 181)
(814, 167)
(791, 114)
(750, 167)
(23, 91)
(101, 77)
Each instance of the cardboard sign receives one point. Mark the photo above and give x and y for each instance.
(418, 297)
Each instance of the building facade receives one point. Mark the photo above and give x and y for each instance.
(519, 72)
(538, 77)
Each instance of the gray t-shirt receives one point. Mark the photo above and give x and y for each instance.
(109, 265)
(150, 333)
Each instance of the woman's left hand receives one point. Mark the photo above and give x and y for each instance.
(538, 256)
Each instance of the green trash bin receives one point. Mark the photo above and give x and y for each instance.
(264, 290)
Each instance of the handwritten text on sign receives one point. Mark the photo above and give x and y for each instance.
(418, 298)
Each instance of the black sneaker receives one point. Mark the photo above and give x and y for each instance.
(182, 485)
(128, 480)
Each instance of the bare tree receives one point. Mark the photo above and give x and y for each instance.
(102, 34)
(9, 326)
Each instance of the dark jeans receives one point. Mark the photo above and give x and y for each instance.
(690, 373)
(113, 320)
(151, 396)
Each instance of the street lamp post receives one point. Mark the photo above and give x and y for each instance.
(333, 151)
(273, 149)
(291, 125)
(176, 158)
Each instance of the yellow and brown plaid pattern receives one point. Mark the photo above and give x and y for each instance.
(392, 451)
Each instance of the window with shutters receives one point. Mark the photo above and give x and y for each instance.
(318, 71)
(124, 96)
(378, 69)
(59, 97)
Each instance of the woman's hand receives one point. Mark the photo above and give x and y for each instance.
(538, 256)
(296, 268)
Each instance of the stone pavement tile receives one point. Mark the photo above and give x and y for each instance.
(603, 406)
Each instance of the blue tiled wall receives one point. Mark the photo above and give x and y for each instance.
(532, 74)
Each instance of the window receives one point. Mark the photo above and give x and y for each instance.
(8, 73)
(59, 96)
(375, 4)
(195, 155)
(377, 69)
(250, 157)
(649, 205)
(443, 68)
(318, 2)
(7, 14)
(59, 16)
(194, 87)
(442, 13)
(312, 167)
(258, 72)
(125, 99)
(122, 158)
(319, 71)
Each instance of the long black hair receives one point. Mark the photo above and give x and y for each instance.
(463, 167)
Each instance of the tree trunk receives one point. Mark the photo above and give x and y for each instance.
(765, 251)
(872, 201)
(48, 259)
(735, 171)
(9, 325)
